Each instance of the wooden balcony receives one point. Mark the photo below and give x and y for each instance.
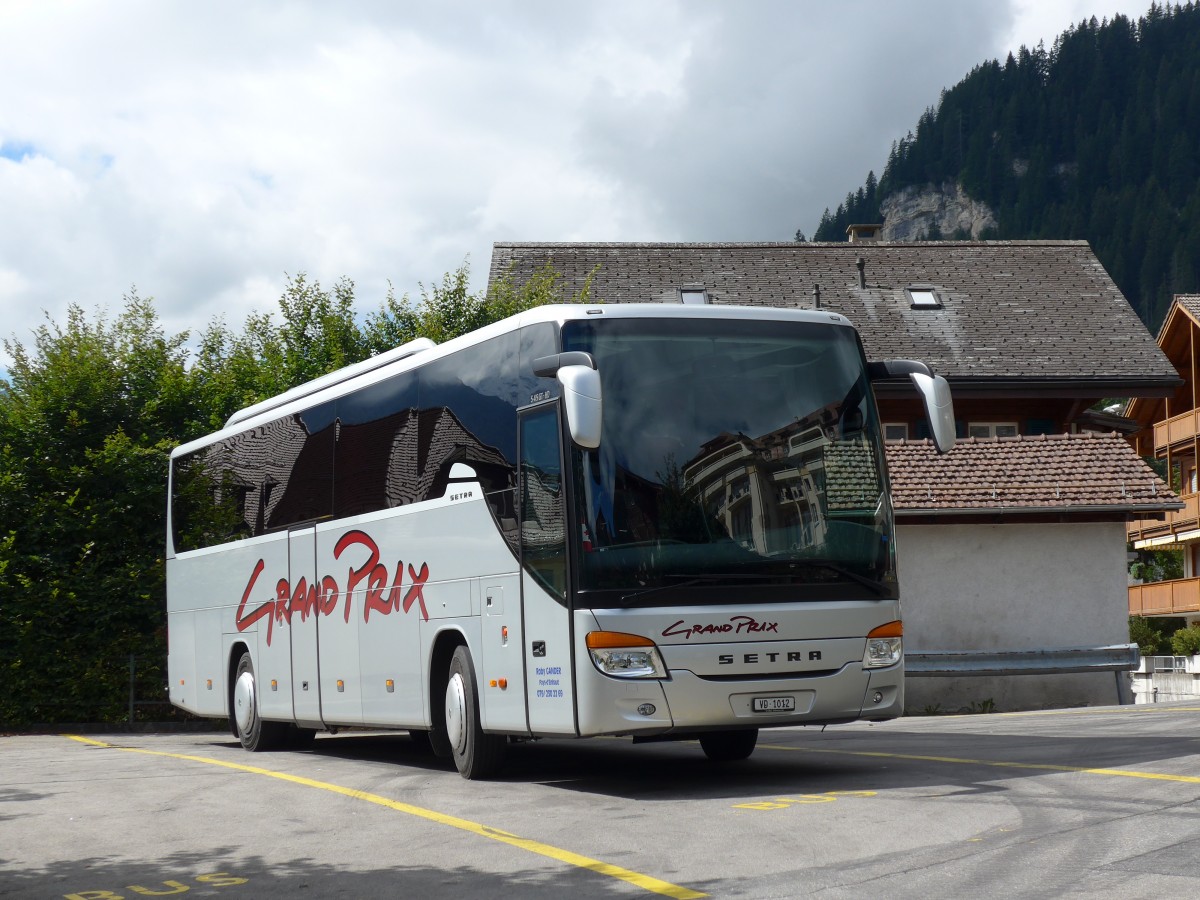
(1174, 521)
(1165, 598)
(1176, 430)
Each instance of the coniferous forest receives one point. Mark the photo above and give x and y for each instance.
(1097, 138)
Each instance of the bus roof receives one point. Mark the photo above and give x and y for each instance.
(415, 354)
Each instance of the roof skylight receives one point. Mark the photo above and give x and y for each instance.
(924, 298)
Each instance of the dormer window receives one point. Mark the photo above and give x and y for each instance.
(923, 297)
(693, 295)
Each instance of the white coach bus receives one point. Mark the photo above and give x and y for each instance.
(650, 520)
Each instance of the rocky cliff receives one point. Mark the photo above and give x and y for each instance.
(913, 213)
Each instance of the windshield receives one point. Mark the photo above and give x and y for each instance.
(734, 453)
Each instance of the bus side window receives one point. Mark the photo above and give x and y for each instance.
(297, 480)
(543, 526)
(467, 407)
(375, 466)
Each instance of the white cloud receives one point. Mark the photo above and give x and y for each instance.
(201, 151)
(1043, 20)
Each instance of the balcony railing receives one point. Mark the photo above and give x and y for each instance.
(1174, 521)
(1172, 431)
(1165, 598)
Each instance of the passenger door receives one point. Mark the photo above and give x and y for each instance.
(549, 684)
(306, 691)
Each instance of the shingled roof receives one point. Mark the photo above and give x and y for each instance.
(1175, 337)
(1081, 474)
(1021, 313)
(1190, 302)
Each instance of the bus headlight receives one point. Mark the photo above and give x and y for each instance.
(625, 655)
(885, 646)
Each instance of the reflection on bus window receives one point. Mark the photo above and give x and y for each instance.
(543, 531)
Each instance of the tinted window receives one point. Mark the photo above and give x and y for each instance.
(293, 464)
(468, 414)
(376, 463)
(543, 531)
(387, 445)
(733, 453)
(264, 479)
(207, 504)
(536, 341)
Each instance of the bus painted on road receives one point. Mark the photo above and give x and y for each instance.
(648, 520)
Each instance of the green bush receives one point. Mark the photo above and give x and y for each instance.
(1186, 641)
(88, 415)
(1153, 636)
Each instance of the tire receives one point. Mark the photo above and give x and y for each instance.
(255, 734)
(476, 755)
(729, 746)
(439, 743)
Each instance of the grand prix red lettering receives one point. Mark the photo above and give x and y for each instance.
(245, 621)
(417, 591)
(370, 580)
(735, 625)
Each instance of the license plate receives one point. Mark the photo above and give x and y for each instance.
(774, 704)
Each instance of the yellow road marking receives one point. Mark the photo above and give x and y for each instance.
(1086, 711)
(83, 740)
(645, 882)
(1000, 764)
(1140, 709)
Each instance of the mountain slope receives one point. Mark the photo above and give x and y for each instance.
(1098, 138)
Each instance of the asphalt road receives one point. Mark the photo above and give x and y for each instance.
(1093, 802)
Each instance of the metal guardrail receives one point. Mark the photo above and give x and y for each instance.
(949, 663)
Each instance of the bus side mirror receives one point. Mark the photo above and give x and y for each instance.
(934, 391)
(939, 409)
(582, 403)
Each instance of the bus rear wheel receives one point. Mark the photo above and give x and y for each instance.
(255, 734)
(729, 746)
(476, 755)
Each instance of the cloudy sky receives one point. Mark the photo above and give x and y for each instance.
(202, 151)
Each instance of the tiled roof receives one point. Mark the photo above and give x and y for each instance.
(1190, 303)
(1047, 473)
(851, 476)
(1175, 338)
(1026, 310)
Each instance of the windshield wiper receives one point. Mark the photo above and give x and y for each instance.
(689, 580)
(683, 580)
(876, 586)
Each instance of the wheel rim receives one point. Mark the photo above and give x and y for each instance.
(243, 701)
(456, 712)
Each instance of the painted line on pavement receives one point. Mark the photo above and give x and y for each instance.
(1142, 709)
(646, 882)
(999, 764)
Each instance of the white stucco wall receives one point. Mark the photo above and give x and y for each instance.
(1012, 587)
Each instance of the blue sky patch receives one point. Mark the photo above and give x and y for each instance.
(17, 151)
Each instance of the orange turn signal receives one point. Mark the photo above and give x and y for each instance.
(891, 629)
(603, 640)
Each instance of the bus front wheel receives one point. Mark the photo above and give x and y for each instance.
(476, 755)
(252, 731)
(729, 746)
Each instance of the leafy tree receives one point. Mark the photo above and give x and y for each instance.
(859, 207)
(88, 418)
(1186, 641)
(86, 423)
(1153, 635)
(448, 310)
